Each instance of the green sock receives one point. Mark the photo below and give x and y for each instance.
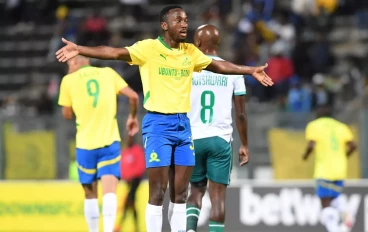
(192, 217)
(216, 227)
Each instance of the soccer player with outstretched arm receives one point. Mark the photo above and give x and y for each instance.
(91, 93)
(166, 67)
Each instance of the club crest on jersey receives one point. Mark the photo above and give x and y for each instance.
(186, 62)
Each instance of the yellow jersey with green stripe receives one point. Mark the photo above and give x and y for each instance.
(92, 93)
(166, 73)
(331, 137)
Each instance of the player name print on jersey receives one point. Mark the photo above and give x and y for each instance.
(88, 73)
(173, 72)
(210, 80)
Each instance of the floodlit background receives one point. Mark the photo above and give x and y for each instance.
(317, 54)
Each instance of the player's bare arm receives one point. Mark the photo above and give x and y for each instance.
(226, 67)
(71, 50)
(242, 126)
(67, 112)
(309, 149)
(133, 100)
(132, 122)
(351, 145)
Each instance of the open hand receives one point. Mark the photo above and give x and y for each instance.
(243, 155)
(260, 75)
(132, 126)
(67, 52)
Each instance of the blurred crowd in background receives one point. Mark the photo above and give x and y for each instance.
(315, 49)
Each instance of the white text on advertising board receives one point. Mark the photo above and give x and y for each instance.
(289, 207)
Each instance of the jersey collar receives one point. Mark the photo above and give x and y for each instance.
(165, 44)
(211, 56)
(85, 66)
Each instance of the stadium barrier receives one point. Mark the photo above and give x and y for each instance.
(55, 206)
(29, 155)
(251, 206)
(283, 207)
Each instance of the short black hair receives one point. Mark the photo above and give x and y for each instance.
(324, 111)
(165, 10)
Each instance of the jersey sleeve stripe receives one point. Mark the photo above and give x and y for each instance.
(239, 93)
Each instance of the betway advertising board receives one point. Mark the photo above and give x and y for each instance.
(281, 207)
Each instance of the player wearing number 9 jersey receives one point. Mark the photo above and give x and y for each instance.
(333, 143)
(91, 93)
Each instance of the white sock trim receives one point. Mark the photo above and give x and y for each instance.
(154, 209)
(153, 218)
(109, 209)
(179, 207)
(92, 214)
(193, 208)
(192, 215)
(170, 212)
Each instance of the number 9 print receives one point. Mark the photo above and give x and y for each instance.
(93, 90)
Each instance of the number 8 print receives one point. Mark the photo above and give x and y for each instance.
(206, 106)
(93, 91)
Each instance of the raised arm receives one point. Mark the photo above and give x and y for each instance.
(71, 50)
(133, 100)
(242, 126)
(226, 67)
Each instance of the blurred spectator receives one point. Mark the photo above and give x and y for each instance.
(303, 14)
(304, 8)
(320, 54)
(299, 98)
(284, 30)
(261, 10)
(320, 96)
(325, 8)
(328, 6)
(94, 31)
(66, 27)
(281, 69)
